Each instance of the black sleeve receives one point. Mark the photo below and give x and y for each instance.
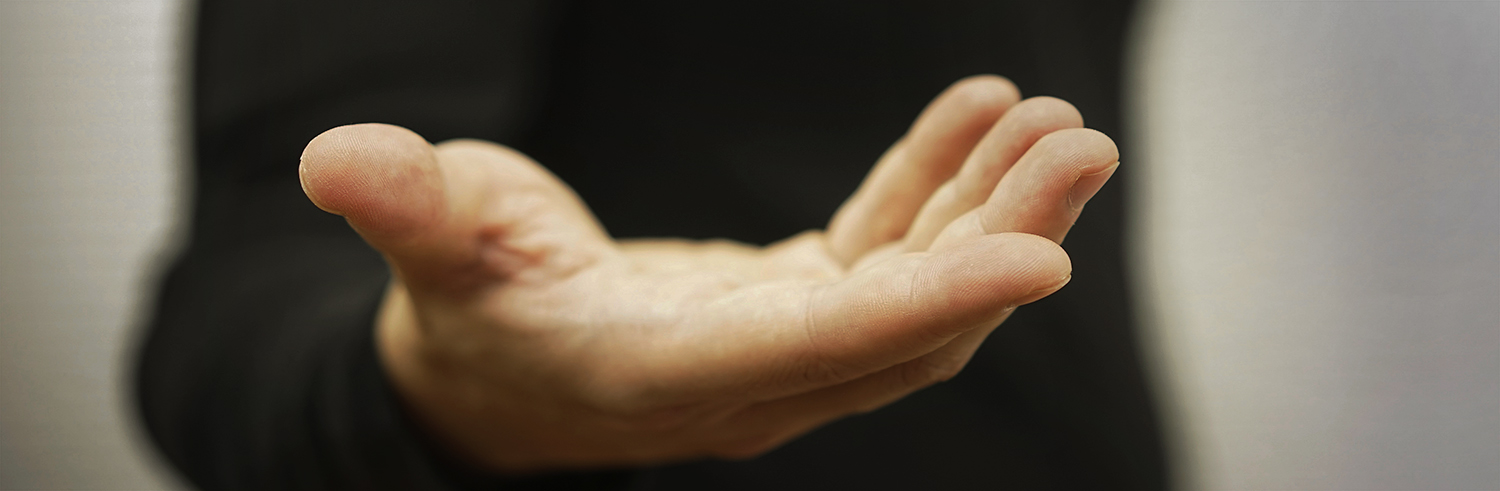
(259, 370)
(261, 373)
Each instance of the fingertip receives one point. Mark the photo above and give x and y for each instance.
(986, 90)
(1087, 147)
(1049, 269)
(1046, 257)
(967, 108)
(1048, 112)
(1009, 268)
(383, 178)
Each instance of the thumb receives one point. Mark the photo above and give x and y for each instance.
(384, 179)
(458, 215)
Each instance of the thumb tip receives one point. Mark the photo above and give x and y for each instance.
(383, 178)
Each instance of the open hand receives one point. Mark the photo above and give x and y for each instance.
(524, 338)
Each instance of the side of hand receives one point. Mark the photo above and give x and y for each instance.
(524, 338)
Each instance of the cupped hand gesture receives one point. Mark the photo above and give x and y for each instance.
(524, 338)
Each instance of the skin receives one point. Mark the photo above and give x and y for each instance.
(525, 339)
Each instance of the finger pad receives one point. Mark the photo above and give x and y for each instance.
(1000, 268)
(383, 178)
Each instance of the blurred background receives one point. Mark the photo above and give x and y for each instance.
(91, 147)
(1316, 236)
(1317, 239)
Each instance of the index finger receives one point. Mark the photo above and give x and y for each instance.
(787, 338)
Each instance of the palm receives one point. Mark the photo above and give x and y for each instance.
(527, 338)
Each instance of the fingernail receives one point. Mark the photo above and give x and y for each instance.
(1088, 185)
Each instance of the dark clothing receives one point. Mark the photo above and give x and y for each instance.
(259, 371)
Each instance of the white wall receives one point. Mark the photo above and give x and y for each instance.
(89, 155)
(1319, 184)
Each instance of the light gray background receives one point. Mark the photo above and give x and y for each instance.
(89, 154)
(1319, 239)
(1319, 244)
